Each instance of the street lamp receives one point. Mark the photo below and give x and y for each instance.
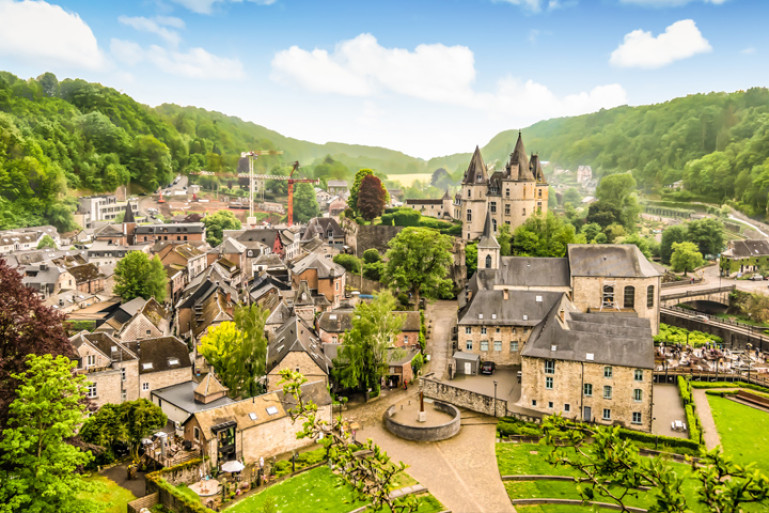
(495, 398)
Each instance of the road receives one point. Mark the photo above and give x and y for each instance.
(440, 316)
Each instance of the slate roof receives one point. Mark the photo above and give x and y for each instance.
(411, 322)
(296, 336)
(476, 172)
(129, 214)
(180, 228)
(518, 158)
(525, 272)
(104, 343)
(424, 202)
(490, 308)
(321, 227)
(325, 266)
(622, 339)
(337, 183)
(748, 248)
(609, 261)
(245, 414)
(335, 321)
(160, 353)
(85, 273)
(183, 397)
(488, 241)
(279, 315)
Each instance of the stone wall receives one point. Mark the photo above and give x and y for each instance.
(148, 501)
(425, 433)
(162, 379)
(371, 236)
(732, 340)
(464, 398)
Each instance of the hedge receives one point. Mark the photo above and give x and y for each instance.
(692, 420)
(727, 384)
(194, 506)
(303, 460)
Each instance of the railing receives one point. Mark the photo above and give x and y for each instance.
(755, 331)
(699, 292)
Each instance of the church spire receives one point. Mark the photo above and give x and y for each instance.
(129, 214)
(488, 247)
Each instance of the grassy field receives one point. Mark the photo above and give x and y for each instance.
(409, 178)
(529, 459)
(317, 490)
(107, 492)
(738, 427)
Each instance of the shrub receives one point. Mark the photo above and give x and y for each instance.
(349, 262)
(371, 255)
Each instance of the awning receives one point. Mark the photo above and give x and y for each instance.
(232, 466)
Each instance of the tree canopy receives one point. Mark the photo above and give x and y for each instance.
(38, 468)
(685, 257)
(371, 197)
(216, 223)
(305, 203)
(546, 236)
(137, 275)
(419, 262)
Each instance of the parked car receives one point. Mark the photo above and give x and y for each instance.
(487, 367)
(757, 277)
(701, 318)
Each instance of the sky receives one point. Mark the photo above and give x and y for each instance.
(426, 77)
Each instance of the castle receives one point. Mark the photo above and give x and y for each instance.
(510, 196)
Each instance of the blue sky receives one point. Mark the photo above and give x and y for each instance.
(426, 77)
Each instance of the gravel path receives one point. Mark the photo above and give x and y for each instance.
(709, 431)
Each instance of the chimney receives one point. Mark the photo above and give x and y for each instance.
(562, 314)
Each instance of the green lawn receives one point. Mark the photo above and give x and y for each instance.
(529, 459)
(317, 490)
(739, 427)
(107, 492)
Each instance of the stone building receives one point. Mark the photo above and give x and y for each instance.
(162, 362)
(440, 208)
(322, 275)
(296, 346)
(510, 196)
(745, 256)
(110, 367)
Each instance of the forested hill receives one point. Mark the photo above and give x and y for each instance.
(718, 143)
(60, 136)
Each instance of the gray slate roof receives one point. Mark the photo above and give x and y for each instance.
(489, 308)
(610, 261)
(295, 335)
(621, 339)
(183, 396)
(748, 248)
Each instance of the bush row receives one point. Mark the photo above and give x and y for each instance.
(303, 460)
(692, 419)
(727, 384)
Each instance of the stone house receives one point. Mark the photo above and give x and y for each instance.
(322, 275)
(332, 325)
(184, 256)
(151, 320)
(338, 188)
(296, 346)
(176, 233)
(181, 401)
(745, 256)
(88, 278)
(409, 334)
(112, 370)
(590, 366)
(47, 279)
(195, 294)
(163, 362)
(326, 229)
(440, 208)
(253, 428)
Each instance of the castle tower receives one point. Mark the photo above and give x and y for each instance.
(472, 197)
(488, 247)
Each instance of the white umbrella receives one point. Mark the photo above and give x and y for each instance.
(232, 466)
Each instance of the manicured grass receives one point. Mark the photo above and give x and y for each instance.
(739, 427)
(317, 490)
(108, 492)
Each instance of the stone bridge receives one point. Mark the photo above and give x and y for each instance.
(735, 335)
(670, 296)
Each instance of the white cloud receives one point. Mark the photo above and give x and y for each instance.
(437, 73)
(669, 3)
(533, 5)
(748, 51)
(194, 63)
(41, 31)
(206, 6)
(155, 26)
(640, 49)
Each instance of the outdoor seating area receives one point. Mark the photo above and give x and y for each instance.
(678, 425)
(167, 450)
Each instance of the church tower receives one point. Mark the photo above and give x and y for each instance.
(472, 197)
(129, 224)
(488, 247)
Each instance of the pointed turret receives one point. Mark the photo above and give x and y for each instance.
(536, 169)
(446, 196)
(129, 214)
(518, 166)
(476, 172)
(488, 247)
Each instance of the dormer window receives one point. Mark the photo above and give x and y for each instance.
(147, 366)
(173, 362)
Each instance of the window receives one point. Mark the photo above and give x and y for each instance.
(469, 345)
(145, 386)
(540, 192)
(92, 390)
(608, 296)
(484, 345)
(549, 367)
(196, 433)
(122, 373)
(469, 215)
(549, 383)
(507, 210)
(533, 402)
(606, 414)
(638, 374)
(550, 404)
(607, 372)
(494, 225)
(483, 330)
(90, 361)
(507, 193)
(637, 395)
(493, 207)
(650, 296)
(513, 347)
(497, 345)
(567, 407)
(539, 206)
(468, 193)
(607, 392)
(629, 297)
(636, 417)
(488, 261)
(524, 211)
(497, 328)
(468, 330)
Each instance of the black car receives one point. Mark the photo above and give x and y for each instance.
(487, 368)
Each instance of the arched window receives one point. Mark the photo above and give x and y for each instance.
(629, 297)
(488, 261)
(650, 296)
(608, 295)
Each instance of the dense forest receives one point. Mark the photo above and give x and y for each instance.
(60, 136)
